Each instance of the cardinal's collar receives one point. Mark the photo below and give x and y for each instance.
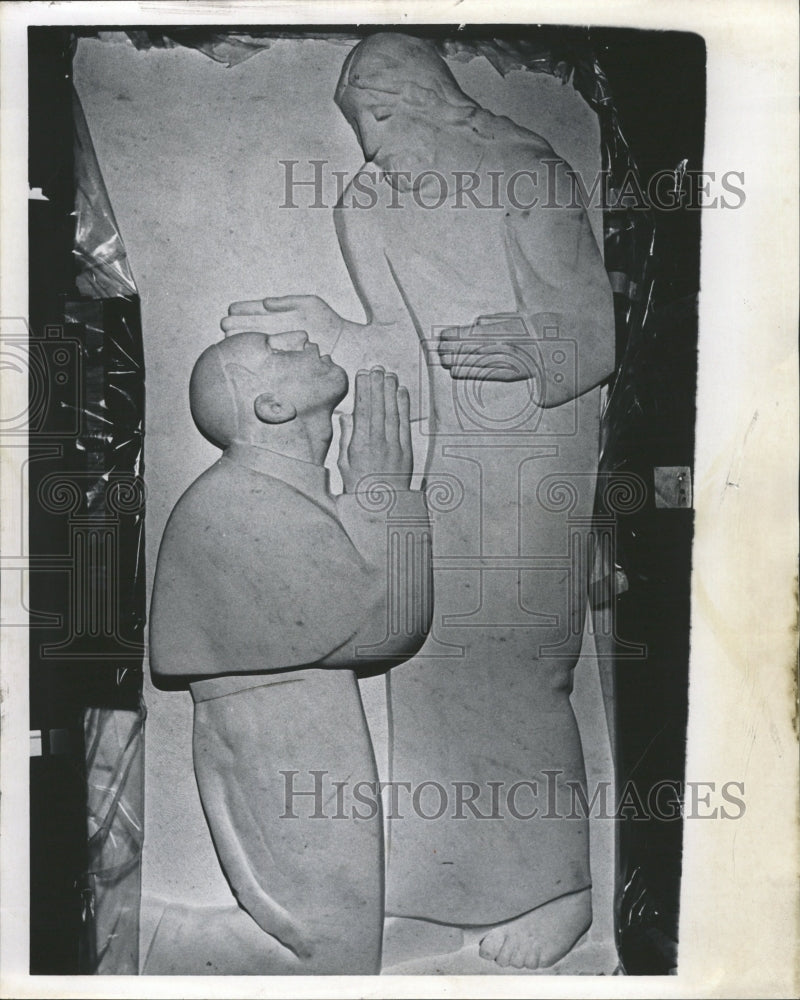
(307, 478)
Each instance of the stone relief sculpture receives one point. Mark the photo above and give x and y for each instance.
(512, 311)
(248, 608)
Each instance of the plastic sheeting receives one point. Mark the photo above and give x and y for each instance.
(103, 270)
(112, 889)
(111, 436)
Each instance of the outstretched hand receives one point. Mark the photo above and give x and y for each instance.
(380, 438)
(284, 314)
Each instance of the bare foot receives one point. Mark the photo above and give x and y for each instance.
(542, 936)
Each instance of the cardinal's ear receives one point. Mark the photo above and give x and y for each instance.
(271, 410)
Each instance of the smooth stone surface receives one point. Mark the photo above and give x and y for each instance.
(419, 947)
(313, 884)
(486, 702)
(247, 570)
(207, 116)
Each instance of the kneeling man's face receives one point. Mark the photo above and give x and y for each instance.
(290, 366)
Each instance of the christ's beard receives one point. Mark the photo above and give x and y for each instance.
(409, 150)
(428, 150)
(402, 170)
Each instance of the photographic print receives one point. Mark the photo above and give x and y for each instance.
(367, 505)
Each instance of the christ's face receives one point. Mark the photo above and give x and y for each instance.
(400, 142)
(370, 120)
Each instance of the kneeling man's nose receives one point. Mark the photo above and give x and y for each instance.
(295, 340)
